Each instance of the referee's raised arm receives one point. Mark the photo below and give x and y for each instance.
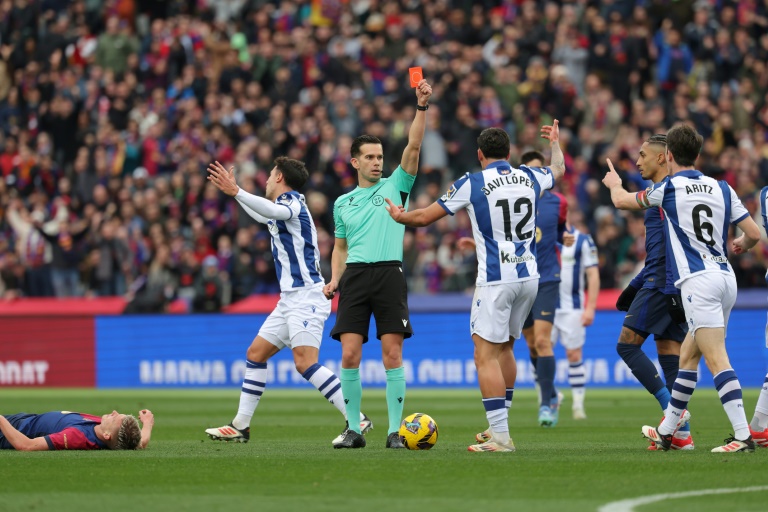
(410, 160)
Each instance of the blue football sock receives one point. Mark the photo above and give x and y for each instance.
(642, 367)
(546, 370)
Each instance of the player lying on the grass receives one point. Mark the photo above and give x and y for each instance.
(652, 302)
(63, 430)
(502, 204)
(297, 321)
(698, 211)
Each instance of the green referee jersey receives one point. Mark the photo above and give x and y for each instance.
(360, 216)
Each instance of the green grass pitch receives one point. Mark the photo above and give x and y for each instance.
(290, 464)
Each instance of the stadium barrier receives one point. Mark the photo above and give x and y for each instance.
(109, 351)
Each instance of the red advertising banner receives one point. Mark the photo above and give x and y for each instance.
(47, 351)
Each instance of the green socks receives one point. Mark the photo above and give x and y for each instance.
(353, 394)
(395, 397)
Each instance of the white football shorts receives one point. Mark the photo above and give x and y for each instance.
(499, 310)
(568, 329)
(708, 299)
(298, 319)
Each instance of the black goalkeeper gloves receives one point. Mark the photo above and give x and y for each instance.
(626, 298)
(675, 308)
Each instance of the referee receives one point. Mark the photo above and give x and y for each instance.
(368, 271)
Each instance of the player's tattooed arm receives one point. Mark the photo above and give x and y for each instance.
(557, 160)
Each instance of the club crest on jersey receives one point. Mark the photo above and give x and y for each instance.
(538, 234)
(285, 199)
(377, 200)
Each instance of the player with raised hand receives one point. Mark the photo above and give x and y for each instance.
(368, 270)
(537, 329)
(652, 302)
(502, 205)
(698, 211)
(297, 321)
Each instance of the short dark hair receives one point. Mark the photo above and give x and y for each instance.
(657, 138)
(685, 144)
(359, 141)
(494, 143)
(294, 171)
(530, 156)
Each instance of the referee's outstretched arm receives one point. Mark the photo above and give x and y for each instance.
(410, 160)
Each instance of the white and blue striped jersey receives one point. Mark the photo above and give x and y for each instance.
(294, 237)
(698, 212)
(502, 203)
(575, 260)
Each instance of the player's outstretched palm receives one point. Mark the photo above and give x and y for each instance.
(223, 179)
(396, 212)
(423, 92)
(551, 133)
(612, 178)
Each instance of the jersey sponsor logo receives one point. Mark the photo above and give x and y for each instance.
(508, 257)
(377, 200)
(716, 259)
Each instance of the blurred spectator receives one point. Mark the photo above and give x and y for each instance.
(209, 288)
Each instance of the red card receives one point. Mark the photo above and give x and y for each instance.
(416, 76)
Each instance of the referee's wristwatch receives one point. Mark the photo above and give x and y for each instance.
(425, 107)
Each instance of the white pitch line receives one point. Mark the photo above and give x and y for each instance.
(630, 504)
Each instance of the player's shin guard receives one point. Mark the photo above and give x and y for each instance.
(760, 419)
(328, 384)
(545, 367)
(729, 389)
(254, 383)
(643, 369)
(682, 390)
(353, 395)
(395, 397)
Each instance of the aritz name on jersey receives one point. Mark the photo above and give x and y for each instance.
(506, 180)
(508, 257)
(700, 189)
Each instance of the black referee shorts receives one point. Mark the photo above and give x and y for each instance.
(377, 288)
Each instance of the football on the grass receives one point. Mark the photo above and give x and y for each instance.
(418, 432)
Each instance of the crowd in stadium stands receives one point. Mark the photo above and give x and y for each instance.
(110, 111)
